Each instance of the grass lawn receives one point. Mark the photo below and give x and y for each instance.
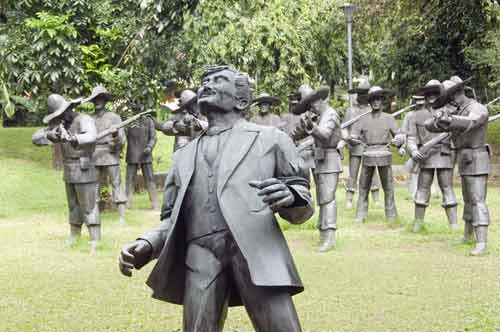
(378, 279)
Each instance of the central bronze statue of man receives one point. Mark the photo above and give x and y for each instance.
(219, 242)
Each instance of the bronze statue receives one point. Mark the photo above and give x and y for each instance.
(77, 134)
(356, 150)
(265, 117)
(185, 122)
(467, 124)
(322, 122)
(376, 131)
(219, 243)
(141, 140)
(439, 161)
(106, 156)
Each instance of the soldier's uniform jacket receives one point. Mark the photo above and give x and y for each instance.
(327, 135)
(468, 128)
(441, 155)
(181, 138)
(269, 119)
(77, 160)
(107, 152)
(139, 137)
(355, 149)
(376, 131)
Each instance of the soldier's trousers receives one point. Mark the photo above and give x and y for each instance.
(387, 182)
(112, 173)
(352, 180)
(474, 190)
(149, 181)
(82, 204)
(326, 186)
(445, 181)
(215, 268)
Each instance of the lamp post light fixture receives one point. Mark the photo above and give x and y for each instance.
(349, 10)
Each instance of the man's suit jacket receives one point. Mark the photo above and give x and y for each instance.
(252, 152)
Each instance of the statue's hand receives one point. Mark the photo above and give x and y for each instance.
(275, 193)
(134, 255)
(147, 151)
(417, 156)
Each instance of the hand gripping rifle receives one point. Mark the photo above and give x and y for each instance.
(413, 166)
(123, 124)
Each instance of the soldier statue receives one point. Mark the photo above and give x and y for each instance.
(322, 122)
(376, 131)
(439, 161)
(141, 140)
(467, 125)
(356, 150)
(219, 242)
(264, 116)
(77, 134)
(185, 122)
(106, 156)
(418, 102)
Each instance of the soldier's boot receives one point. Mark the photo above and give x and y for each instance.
(468, 231)
(328, 240)
(75, 232)
(328, 221)
(376, 196)
(481, 240)
(451, 213)
(122, 208)
(349, 195)
(95, 237)
(418, 224)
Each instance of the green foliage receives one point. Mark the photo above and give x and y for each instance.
(280, 43)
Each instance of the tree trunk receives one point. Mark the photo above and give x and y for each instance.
(57, 160)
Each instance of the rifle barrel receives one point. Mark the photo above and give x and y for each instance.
(493, 101)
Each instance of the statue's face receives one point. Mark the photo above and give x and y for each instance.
(362, 99)
(264, 108)
(218, 92)
(431, 98)
(100, 103)
(377, 103)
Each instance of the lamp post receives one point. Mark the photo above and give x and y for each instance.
(349, 13)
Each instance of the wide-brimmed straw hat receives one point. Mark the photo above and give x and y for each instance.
(57, 105)
(362, 88)
(308, 96)
(376, 91)
(448, 89)
(99, 91)
(432, 87)
(266, 98)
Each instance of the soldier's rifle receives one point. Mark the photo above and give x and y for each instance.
(413, 166)
(310, 141)
(493, 101)
(114, 129)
